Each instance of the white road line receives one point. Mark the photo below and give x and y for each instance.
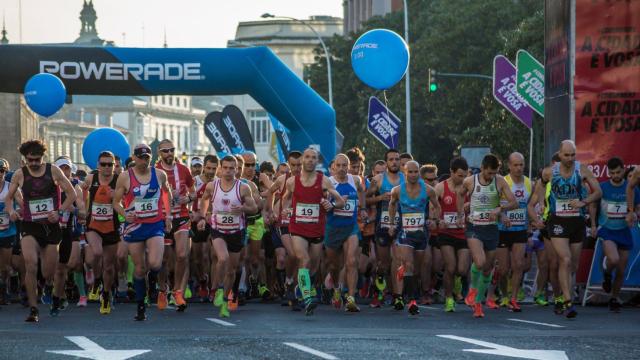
(537, 323)
(311, 351)
(428, 307)
(221, 322)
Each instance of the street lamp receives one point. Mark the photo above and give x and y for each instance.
(324, 47)
(407, 80)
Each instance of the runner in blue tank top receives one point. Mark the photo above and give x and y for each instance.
(566, 225)
(613, 230)
(379, 194)
(411, 201)
(341, 235)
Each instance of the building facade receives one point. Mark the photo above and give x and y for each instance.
(18, 124)
(358, 11)
(294, 43)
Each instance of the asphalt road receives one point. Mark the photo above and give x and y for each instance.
(269, 331)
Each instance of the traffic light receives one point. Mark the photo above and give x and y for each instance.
(433, 81)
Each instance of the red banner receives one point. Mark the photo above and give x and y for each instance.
(607, 82)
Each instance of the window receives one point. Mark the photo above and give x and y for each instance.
(52, 149)
(259, 126)
(170, 100)
(74, 152)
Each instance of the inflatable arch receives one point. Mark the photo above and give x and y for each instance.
(255, 71)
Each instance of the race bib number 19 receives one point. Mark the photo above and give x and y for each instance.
(307, 213)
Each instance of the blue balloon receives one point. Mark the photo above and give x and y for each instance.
(380, 58)
(104, 139)
(45, 94)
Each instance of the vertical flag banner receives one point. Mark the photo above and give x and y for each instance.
(383, 124)
(504, 90)
(212, 129)
(239, 135)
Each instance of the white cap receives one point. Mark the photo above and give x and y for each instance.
(196, 161)
(63, 161)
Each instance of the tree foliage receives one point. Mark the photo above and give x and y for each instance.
(459, 36)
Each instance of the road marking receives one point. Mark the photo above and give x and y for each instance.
(91, 350)
(537, 323)
(221, 322)
(428, 307)
(495, 349)
(311, 351)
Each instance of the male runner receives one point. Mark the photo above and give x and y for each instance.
(482, 234)
(40, 184)
(379, 194)
(451, 238)
(102, 225)
(147, 213)
(8, 231)
(613, 230)
(411, 200)
(514, 235)
(230, 200)
(306, 192)
(566, 225)
(341, 234)
(183, 191)
(196, 166)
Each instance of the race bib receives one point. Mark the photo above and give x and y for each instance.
(227, 221)
(347, 210)
(385, 220)
(5, 221)
(451, 220)
(616, 210)
(102, 212)
(412, 222)
(40, 208)
(146, 208)
(285, 216)
(481, 218)
(564, 209)
(175, 206)
(518, 217)
(307, 213)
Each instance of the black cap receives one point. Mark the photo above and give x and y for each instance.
(142, 150)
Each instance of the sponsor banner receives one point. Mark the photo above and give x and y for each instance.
(607, 82)
(238, 134)
(383, 124)
(504, 90)
(282, 135)
(212, 129)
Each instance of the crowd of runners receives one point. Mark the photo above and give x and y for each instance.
(226, 230)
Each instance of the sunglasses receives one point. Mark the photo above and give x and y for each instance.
(3, 170)
(169, 150)
(249, 164)
(106, 164)
(430, 180)
(34, 160)
(143, 156)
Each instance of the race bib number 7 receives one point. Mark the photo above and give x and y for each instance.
(616, 210)
(307, 213)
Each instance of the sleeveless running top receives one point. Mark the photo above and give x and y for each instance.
(414, 212)
(563, 191)
(222, 218)
(41, 195)
(7, 227)
(101, 216)
(145, 199)
(449, 213)
(382, 217)
(518, 217)
(180, 180)
(484, 199)
(201, 186)
(348, 215)
(308, 217)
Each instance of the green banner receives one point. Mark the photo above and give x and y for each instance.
(530, 80)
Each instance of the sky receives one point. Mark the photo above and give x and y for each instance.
(141, 23)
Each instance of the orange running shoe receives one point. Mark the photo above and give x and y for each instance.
(232, 303)
(514, 306)
(491, 304)
(477, 311)
(162, 300)
(181, 304)
(470, 300)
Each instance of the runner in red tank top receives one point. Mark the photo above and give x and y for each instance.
(309, 207)
(452, 241)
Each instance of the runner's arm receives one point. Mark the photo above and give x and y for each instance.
(337, 198)
(249, 205)
(66, 186)
(393, 203)
(80, 203)
(630, 192)
(433, 199)
(596, 191)
(204, 201)
(164, 184)
(122, 186)
(504, 188)
(374, 186)
(461, 193)
(14, 188)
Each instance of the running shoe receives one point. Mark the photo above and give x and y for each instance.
(514, 306)
(570, 310)
(181, 304)
(491, 304)
(477, 310)
(33, 315)
(162, 300)
(336, 299)
(94, 294)
(470, 300)
(46, 296)
(264, 292)
(188, 294)
(558, 307)
(212, 294)
(375, 302)
(172, 299)
(450, 305)
(203, 292)
(381, 284)
(105, 304)
(232, 303)
(351, 305)
(141, 313)
(398, 303)
(614, 305)
(224, 311)
(504, 302)
(540, 300)
(64, 304)
(521, 295)
(218, 298)
(310, 305)
(413, 308)
(457, 285)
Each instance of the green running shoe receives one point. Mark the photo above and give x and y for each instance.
(381, 285)
(540, 300)
(224, 311)
(521, 295)
(449, 305)
(219, 298)
(457, 284)
(187, 293)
